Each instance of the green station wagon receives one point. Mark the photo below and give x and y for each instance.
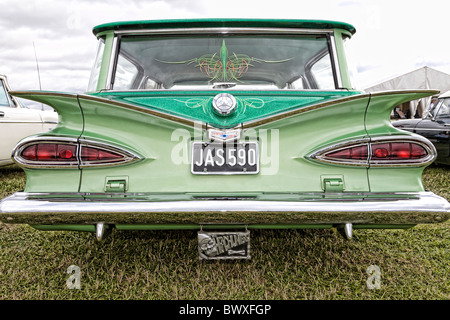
(223, 126)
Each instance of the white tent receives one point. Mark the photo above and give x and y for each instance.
(422, 78)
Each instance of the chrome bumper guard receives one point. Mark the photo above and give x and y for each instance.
(310, 209)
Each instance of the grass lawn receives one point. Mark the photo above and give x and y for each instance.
(285, 264)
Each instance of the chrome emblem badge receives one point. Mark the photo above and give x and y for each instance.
(224, 104)
(224, 135)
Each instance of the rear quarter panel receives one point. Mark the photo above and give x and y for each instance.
(378, 123)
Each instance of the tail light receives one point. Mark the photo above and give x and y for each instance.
(50, 152)
(398, 151)
(69, 153)
(381, 151)
(351, 153)
(92, 154)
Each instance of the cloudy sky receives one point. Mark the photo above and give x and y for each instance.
(393, 36)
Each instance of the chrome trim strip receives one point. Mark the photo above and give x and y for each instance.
(112, 61)
(335, 61)
(24, 121)
(224, 30)
(429, 129)
(406, 128)
(407, 208)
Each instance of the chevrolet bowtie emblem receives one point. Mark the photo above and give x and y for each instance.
(224, 135)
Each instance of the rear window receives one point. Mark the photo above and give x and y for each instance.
(217, 61)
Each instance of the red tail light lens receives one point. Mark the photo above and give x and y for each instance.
(95, 154)
(50, 152)
(398, 151)
(355, 153)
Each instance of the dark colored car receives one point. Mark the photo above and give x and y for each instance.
(435, 126)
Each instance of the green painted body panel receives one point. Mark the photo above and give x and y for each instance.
(70, 121)
(166, 147)
(250, 105)
(57, 180)
(378, 123)
(70, 125)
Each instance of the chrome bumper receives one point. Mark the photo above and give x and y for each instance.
(358, 208)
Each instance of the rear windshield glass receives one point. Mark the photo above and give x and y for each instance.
(217, 61)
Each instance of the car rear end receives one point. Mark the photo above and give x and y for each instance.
(225, 124)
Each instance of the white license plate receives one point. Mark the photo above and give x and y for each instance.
(225, 158)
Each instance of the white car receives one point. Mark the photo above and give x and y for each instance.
(18, 122)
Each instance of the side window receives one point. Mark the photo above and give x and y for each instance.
(435, 108)
(95, 73)
(322, 73)
(444, 110)
(4, 99)
(126, 74)
(298, 84)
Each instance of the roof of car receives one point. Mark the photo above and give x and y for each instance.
(223, 23)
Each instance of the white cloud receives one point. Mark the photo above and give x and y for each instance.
(389, 39)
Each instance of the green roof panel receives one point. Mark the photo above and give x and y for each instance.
(223, 23)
